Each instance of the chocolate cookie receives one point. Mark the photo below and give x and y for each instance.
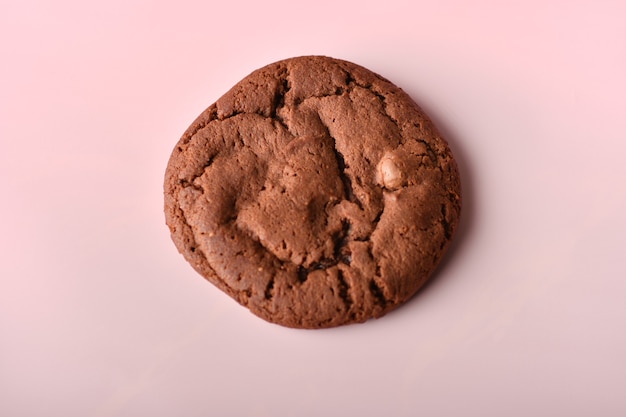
(315, 192)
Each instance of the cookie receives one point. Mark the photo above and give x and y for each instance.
(315, 192)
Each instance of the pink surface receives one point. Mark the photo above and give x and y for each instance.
(100, 316)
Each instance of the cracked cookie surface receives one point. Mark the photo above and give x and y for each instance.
(315, 192)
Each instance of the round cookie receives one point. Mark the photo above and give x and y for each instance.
(315, 193)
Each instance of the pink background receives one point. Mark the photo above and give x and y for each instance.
(100, 316)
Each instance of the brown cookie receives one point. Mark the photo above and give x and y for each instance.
(315, 192)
